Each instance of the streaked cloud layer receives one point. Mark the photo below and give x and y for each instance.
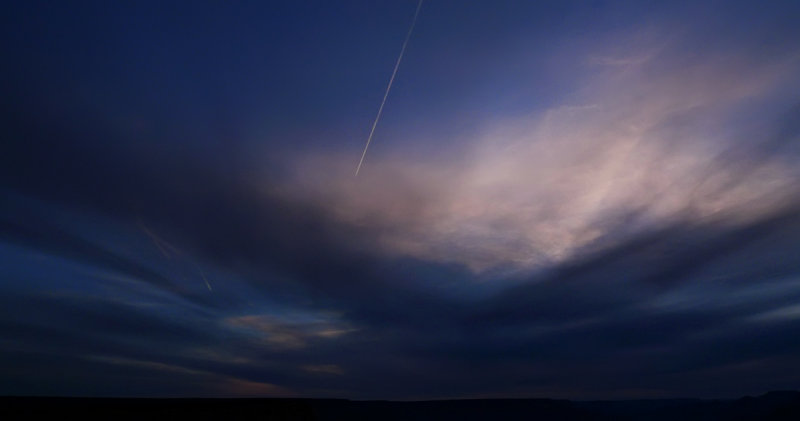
(647, 139)
(606, 207)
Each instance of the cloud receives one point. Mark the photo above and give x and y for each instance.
(324, 369)
(289, 334)
(637, 235)
(656, 144)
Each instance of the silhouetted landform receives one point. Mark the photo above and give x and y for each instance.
(770, 406)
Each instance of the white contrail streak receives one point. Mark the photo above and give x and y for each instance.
(389, 87)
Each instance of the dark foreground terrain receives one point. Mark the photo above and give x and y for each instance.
(770, 406)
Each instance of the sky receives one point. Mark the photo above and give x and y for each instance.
(572, 199)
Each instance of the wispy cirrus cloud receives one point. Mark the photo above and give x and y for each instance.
(284, 333)
(632, 234)
(659, 142)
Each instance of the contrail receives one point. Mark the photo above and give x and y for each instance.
(204, 278)
(389, 87)
(162, 245)
(166, 247)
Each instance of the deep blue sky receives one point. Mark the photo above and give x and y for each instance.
(579, 199)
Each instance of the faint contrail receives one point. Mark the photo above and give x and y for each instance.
(162, 245)
(389, 87)
(204, 278)
(166, 247)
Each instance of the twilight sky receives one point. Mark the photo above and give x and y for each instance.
(571, 199)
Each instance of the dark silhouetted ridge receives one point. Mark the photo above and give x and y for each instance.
(782, 405)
